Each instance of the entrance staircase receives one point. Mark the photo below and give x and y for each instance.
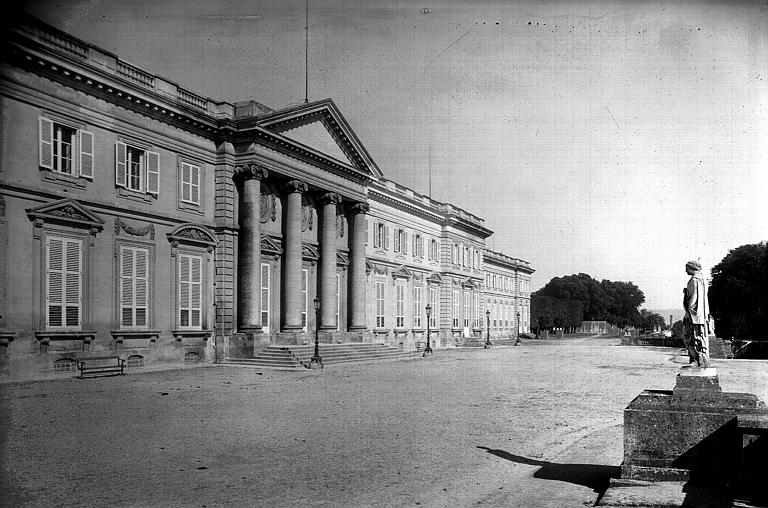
(298, 357)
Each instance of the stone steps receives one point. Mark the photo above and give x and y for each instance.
(298, 357)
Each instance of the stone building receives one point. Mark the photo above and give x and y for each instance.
(141, 218)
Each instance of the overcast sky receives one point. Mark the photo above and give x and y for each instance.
(619, 139)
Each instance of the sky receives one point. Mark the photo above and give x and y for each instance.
(619, 139)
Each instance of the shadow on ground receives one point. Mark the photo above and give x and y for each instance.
(594, 476)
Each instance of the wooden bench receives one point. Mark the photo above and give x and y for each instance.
(101, 365)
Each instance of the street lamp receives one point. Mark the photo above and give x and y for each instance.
(316, 361)
(487, 329)
(428, 349)
(518, 341)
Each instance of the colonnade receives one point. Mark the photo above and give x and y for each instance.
(249, 256)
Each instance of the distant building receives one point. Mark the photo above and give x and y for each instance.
(139, 218)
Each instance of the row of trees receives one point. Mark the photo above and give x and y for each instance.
(565, 301)
(738, 293)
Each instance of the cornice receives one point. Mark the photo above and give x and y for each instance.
(401, 203)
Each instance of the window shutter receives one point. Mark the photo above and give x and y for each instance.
(73, 289)
(184, 290)
(186, 186)
(86, 154)
(55, 275)
(126, 287)
(153, 173)
(141, 290)
(421, 247)
(46, 143)
(386, 237)
(121, 167)
(405, 242)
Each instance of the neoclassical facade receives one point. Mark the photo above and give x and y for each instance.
(141, 219)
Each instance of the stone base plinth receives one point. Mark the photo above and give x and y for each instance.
(688, 433)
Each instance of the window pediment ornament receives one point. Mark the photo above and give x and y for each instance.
(192, 234)
(69, 212)
(469, 284)
(402, 273)
(271, 247)
(368, 267)
(310, 253)
(342, 259)
(435, 279)
(148, 229)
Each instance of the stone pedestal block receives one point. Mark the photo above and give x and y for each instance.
(688, 433)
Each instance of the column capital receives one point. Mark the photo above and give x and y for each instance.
(251, 172)
(359, 208)
(330, 198)
(292, 186)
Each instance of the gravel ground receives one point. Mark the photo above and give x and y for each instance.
(537, 425)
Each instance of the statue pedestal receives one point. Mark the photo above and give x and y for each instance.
(689, 433)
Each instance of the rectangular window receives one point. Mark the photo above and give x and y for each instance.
(435, 309)
(190, 183)
(137, 169)
(265, 296)
(64, 281)
(477, 311)
(65, 149)
(398, 240)
(400, 305)
(379, 304)
(134, 287)
(190, 291)
(417, 310)
(467, 309)
(304, 296)
(494, 313)
(456, 309)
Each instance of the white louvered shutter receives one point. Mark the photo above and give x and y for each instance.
(121, 166)
(73, 290)
(141, 287)
(153, 173)
(55, 281)
(196, 291)
(86, 154)
(405, 242)
(386, 237)
(126, 287)
(46, 143)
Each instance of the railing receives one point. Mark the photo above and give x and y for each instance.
(192, 99)
(135, 74)
(64, 42)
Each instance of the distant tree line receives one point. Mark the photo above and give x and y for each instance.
(567, 301)
(738, 293)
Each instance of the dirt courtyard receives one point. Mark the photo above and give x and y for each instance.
(536, 425)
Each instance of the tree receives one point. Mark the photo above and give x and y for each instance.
(677, 329)
(615, 302)
(548, 312)
(738, 294)
(651, 320)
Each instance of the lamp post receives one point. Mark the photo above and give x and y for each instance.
(487, 329)
(428, 349)
(316, 361)
(518, 341)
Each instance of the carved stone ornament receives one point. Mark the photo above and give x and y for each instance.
(192, 234)
(149, 229)
(295, 186)
(360, 208)
(268, 204)
(251, 171)
(380, 270)
(330, 197)
(340, 220)
(307, 214)
(68, 212)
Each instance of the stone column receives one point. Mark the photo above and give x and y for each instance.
(357, 267)
(292, 304)
(249, 249)
(327, 267)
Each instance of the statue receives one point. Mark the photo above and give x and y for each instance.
(696, 320)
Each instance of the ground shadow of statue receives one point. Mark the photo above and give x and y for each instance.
(594, 476)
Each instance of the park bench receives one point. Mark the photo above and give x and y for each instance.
(101, 365)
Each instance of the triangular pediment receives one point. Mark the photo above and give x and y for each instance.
(320, 127)
(69, 211)
(270, 246)
(310, 253)
(402, 273)
(469, 284)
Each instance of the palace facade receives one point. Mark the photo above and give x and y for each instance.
(140, 218)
